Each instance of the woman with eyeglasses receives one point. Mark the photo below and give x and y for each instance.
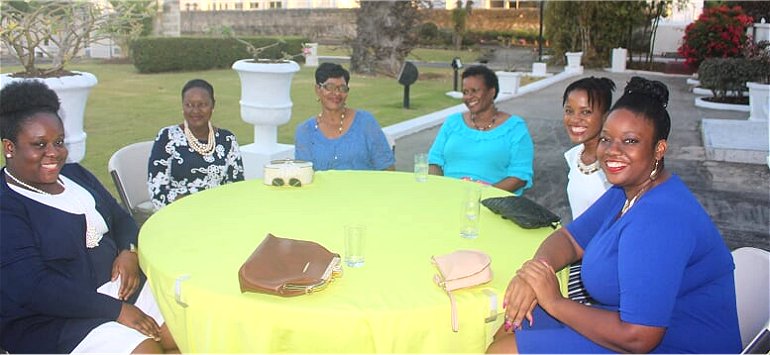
(194, 155)
(484, 144)
(70, 280)
(340, 137)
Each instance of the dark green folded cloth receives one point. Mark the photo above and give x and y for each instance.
(522, 211)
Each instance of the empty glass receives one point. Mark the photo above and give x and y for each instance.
(471, 210)
(355, 239)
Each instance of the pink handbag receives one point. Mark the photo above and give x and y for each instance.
(461, 269)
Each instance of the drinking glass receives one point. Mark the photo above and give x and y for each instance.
(355, 239)
(471, 210)
(421, 167)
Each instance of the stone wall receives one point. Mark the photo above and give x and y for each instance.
(318, 24)
(336, 24)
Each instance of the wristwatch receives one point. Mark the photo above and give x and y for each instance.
(132, 247)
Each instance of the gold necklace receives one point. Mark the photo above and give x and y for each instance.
(202, 149)
(27, 186)
(473, 121)
(342, 119)
(584, 168)
(629, 203)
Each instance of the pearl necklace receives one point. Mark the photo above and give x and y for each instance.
(584, 168)
(202, 149)
(473, 121)
(629, 203)
(28, 187)
(342, 119)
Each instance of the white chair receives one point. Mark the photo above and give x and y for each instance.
(128, 168)
(752, 291)
(391, 142)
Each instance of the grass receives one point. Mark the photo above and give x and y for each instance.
(127, 107)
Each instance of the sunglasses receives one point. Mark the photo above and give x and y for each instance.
(292, 182)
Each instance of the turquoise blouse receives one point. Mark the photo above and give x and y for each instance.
(490, 156)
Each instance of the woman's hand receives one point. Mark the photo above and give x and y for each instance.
(134, 318)
(126, 266)
(519, 302)
(540, 276)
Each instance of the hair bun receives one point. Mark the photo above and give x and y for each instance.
(651, 88)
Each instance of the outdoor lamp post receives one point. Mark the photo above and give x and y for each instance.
(456, 65)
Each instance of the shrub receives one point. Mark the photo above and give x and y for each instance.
(727, 76)
(155, 55)
(719, 32)
(759, 56)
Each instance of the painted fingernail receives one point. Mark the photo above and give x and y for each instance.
(516, 326)
(507, 325)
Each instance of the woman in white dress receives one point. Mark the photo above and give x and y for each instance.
(585, 103)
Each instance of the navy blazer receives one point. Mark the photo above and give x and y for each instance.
(48, 278)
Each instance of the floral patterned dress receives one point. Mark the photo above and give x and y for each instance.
(176, 170)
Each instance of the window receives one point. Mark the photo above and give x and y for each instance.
(239, 6)
(253, 5)
(275, 4)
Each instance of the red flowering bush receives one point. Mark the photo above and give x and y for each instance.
(719, 32)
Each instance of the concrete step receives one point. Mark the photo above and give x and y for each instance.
(739, 141)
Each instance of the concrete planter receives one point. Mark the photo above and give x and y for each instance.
(265, 104)
(573, 62)
(73, 94)
(509, 81)
(700, 102)
(759, 101)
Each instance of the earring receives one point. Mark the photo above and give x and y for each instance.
(317, 99)
(654, 172)
(8, 156)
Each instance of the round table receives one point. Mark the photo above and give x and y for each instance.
(192, 250)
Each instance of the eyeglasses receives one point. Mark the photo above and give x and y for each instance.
(198, 105)
(329, 87)
(292, 182)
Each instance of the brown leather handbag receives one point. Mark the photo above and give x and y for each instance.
(289, 267)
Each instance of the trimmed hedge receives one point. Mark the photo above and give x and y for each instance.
(728, 76)
(163, 54)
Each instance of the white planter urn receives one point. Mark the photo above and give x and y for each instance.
(509, 82)
(573, 62)
(73, 91)
(759, 101)
(619, 57)
(265, 104)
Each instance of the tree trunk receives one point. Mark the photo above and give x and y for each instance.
(384, 36)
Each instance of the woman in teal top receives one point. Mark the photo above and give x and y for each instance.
(484, 144)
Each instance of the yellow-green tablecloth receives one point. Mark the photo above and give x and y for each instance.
(191, 252)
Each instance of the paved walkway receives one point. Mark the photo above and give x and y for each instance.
(736, 195)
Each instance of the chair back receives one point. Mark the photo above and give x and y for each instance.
(752, 290)
(128, 168)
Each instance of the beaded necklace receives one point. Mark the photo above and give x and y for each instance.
(29, 187)
(584, 168)
(196, 145)
(342, 119)
(473, 121)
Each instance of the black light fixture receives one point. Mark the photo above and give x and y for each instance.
(407, 76)
(456, 65)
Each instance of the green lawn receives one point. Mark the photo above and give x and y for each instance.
(127, 107)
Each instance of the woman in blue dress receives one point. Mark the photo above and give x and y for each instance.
(339, 137)
(192, 156)
(654, 262)
(484, 144)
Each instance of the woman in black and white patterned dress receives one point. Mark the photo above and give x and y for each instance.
(193, 156)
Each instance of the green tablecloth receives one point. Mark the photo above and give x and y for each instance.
(389, 305)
